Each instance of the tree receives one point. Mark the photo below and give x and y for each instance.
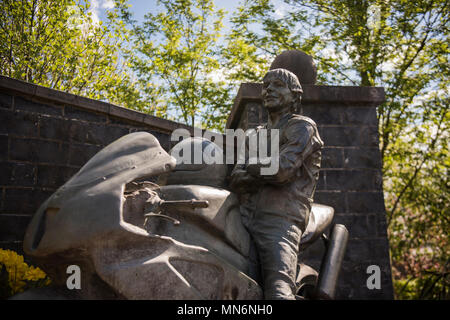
(402, 46)
(177, 62)
(59, 45)
(244, 55)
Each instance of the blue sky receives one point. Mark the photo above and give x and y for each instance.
(141, 7)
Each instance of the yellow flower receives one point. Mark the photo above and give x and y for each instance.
(19, 272)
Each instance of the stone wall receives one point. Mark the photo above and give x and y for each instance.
(45, 138)
(350, 177)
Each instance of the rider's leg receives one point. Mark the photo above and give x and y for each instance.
(277, 240)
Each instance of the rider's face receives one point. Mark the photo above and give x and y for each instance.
(276, 93)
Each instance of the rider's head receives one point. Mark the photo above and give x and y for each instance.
(281, 90)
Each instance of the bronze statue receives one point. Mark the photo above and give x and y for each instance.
(185, 237)
(277, 213)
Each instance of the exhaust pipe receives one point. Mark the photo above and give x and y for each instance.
(332, 263)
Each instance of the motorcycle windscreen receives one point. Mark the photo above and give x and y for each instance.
(90, 204)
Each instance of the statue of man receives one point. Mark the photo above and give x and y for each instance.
(277, 212)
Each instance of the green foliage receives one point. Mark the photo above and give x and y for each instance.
(402, 46)
(176, 61)
(59, 45)
(243, 53)
(432, 285)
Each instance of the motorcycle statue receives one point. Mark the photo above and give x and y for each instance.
(179, 238)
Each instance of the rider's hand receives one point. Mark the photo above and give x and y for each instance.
(243, 182)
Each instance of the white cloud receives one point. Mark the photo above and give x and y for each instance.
(281, 9)
(431, 94)
(108, 4)
(99, 5)
(279, 13)
(217, 75)
(94, 11)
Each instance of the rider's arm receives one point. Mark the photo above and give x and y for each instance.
(299, 145)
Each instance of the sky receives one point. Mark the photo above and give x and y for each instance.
(140, 7)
